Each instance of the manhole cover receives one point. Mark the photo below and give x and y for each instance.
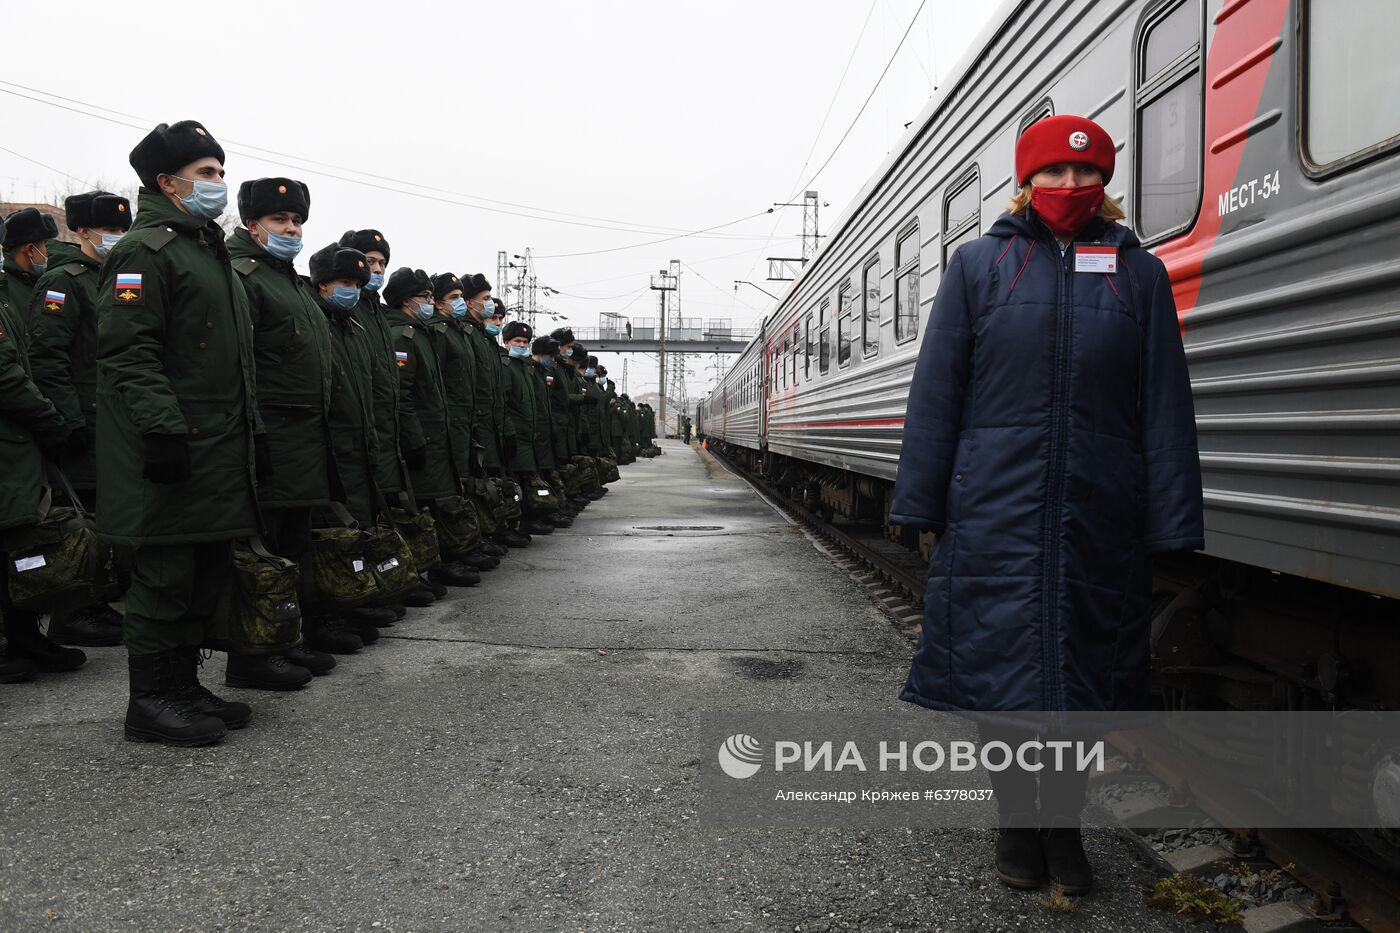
(678, 527)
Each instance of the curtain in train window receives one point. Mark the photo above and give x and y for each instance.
(807, 349)
(906, 285)
(1352, 74)
(824, 337)
(845, 308)
(1168, 99)
(870, 312)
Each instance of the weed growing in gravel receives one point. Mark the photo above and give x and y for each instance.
(1058, 902)
(1194, 899)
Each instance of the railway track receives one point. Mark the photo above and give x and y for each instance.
(1348, 890)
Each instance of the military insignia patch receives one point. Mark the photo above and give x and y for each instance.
(128, 289)
(549, 380)
(53, 301)
(401, 357)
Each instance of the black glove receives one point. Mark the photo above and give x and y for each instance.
(167, 458)
(417, 458)
(262, 458)
(77, 443)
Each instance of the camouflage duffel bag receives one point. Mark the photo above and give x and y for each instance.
(541, 497)
(609, 473)
(459, 531)
(587, 468)
(59, 564)
(258, 613)
(392, 561)
(511, 496)
(487, 498)
(340, 570)
(420, 532)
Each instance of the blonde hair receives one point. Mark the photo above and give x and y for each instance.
(1108, 210)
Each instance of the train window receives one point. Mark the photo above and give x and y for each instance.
(1041, 110)
(1168, 124)
(796, 351)
(823, 337)
(1350, 108)
(807, 349)
(870, 312)
(962, 214)
(906, 285)
(845, 305)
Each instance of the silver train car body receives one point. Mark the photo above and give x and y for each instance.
(1248, 160)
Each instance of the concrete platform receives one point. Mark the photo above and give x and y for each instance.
(520, 757)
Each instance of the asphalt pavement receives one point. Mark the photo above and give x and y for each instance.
(520, 756)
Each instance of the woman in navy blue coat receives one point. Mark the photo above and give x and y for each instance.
(1050, 444)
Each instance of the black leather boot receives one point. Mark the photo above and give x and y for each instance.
(317, 662)
(1020, 863)
(1066, 864)
(420, 597)
(439, 591)
(84, 627)
(235, 715)
(454, 573)
(378, 616)
(495, 550)
(512, 538)
(559, 520)
(27, 642)
(538, 526)
(481, 561)
(267, 672)
(331, 635)
(158, 712)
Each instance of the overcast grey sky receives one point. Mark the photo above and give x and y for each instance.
(657, 118)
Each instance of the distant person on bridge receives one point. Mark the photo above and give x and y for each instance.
(1053, 455)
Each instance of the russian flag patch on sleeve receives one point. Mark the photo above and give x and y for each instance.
(53, 301)
(128, 289)
(401, 357)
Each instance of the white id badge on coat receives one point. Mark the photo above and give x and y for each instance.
(1095, 258)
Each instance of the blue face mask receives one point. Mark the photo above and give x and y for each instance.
(424, 311)
(282, 247)
(105, 246)
(40, 268)
(459, 307)
(376, 281)
(487, 307)
(520, 352)
(207, 200)
(590, 373)
(344, 297)
(547, 360)
(493, 329)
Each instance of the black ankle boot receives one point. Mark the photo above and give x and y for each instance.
(268, 672)
(84, 627)
(16, 670)
(1020, 863)
(235, 715)
(157, 712)
(317, 662)
(1066, 865)
(27, 642)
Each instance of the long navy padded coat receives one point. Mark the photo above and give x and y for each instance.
(1050, 442)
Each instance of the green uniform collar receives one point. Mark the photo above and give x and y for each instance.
(12, 268)
(60, 254)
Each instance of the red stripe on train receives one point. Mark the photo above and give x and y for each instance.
(859, 423)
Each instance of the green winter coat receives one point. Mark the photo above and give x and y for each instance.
(28, 421)
(459, 384)
(618, 419)
(423, 409)
(18, 289)
(486, 422)
(520, 412)
(174, 356)
(380, 324)
(63, 349)
(565, 397)
(646, 423)
(594, 423)
(292, 356)
(543, 384)
(354, 438)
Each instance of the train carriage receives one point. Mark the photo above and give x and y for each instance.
(1257, 156)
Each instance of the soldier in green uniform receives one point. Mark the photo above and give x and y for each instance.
(460, 385)
(541, 370)
(63, 356)
(595, 431)
(566, 401)
(685, 429)
(31, 429)
(584, 430)
(26, 244)
(337, 275)
(423, 416)
(177, 422)
(482, 327)
(522, 412)
(291, 351)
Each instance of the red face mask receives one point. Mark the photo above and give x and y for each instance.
(1066, 210)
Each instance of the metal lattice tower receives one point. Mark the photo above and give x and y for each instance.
(666, 281)
(676, 390)
(810, 202)
(501, 283)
